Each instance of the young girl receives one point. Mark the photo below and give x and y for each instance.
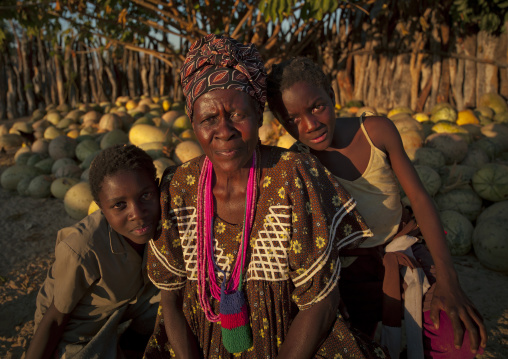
(367, 157)
(98, 285)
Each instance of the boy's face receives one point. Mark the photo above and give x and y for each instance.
(308, 114)
(130, 203)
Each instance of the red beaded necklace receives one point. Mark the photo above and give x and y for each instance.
(205, 239)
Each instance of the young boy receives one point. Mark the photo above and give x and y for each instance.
(98, 287)
(367, 157)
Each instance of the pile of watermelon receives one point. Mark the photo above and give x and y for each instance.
(55, 147)
(460, 156)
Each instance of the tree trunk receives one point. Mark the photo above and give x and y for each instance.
(45, 78)
(379, 88)
(110, 72)
(435, 48)
(401, 87)
(486, 80)
(69, 75)
(98, 69)
(58, 75)
(3, 87)
(444, 85)
(130, 74)
(470, 69)
(151, 77)
(83, 75)
(27, 76)
(75, 71)
(21, 103)
(502, 56)
(457, 76)
(143, 65)
(11, 96)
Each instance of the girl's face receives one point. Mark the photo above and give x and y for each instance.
(308, 114)
(130, 203)
(226, 124)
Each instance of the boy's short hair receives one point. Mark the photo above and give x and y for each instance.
(290, 72)
(118, 158)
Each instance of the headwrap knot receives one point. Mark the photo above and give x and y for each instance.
(217, 62)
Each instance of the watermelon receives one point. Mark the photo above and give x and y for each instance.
(501, 118)
(186, 150)
(161, 164)
(443, 112)
(86, 148)
(62, 147)
(475, 157)
(430, 179)
(77, 200)
(286, 141)
(61, 162)
(453, 147)
(490, 243)
(91, 118)
(52, 132)
(12, 175)
(69, 170)
(181, 124)
(40, 186)
(497, 210)
(40, 146)
(497, 132)
(459, 232)
(495, 101)
(464, 201)
(114, 137)
(449, 127)
(489, 145)
(456, 176)
(45, 165)
(467, 117)
(142, 133)
(109, 122)
(60, 186)
(491, 182)
(154, 149)
(427, 156)
(22, 186)
(21, 158)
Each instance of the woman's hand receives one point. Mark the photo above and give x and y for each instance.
(450, 298)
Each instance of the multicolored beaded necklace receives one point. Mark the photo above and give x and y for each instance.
(236, 331)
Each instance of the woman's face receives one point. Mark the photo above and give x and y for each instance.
(130, 203)
(226, 124)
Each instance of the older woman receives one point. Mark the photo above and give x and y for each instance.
(248, 258)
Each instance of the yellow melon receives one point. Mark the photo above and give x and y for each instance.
(465, 117)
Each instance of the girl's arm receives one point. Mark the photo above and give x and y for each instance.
(48, 334)
(448, 294)
(310, 327)
(179, 333)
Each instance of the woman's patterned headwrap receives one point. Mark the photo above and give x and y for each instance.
(218, 62)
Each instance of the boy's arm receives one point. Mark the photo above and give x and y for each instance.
(448, 295)
(179, 333)
(48, 334)
(310, 327)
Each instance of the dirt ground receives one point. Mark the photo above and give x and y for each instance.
(28, 230)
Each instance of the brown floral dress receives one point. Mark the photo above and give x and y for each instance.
(302, 216)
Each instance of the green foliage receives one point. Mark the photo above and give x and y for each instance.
(488, 15)
(274, 10)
